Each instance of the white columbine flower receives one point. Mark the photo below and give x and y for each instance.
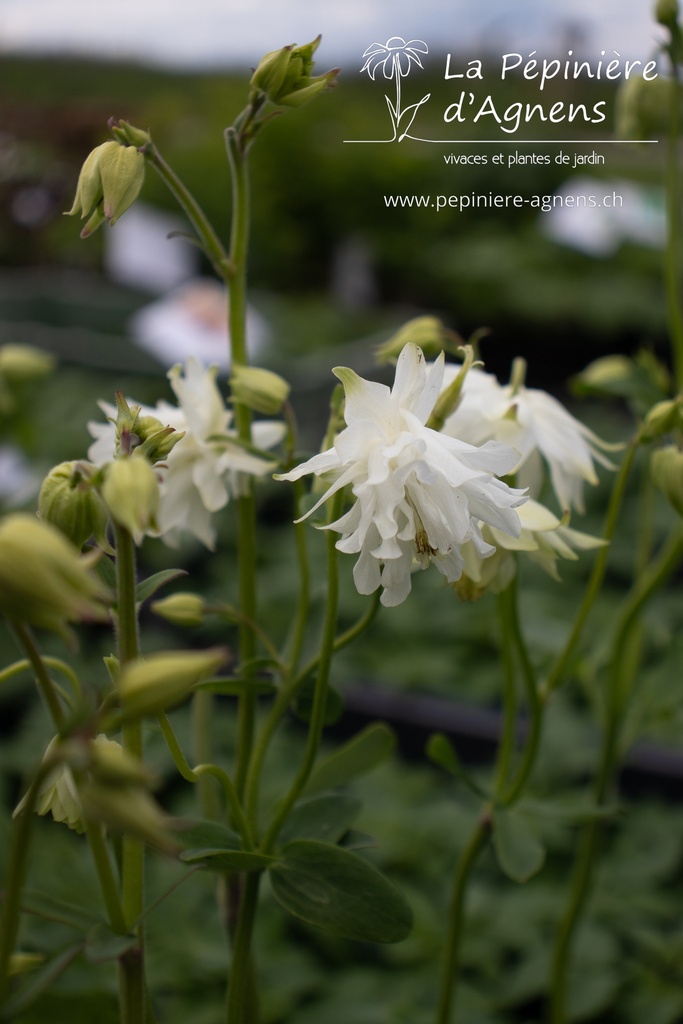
(534, 423)
(420, 495)
(208, 465)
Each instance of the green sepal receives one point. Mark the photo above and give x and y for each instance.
(519, 852)
(325, 817)
(363, 752)
(218, 848)
(147, 588)
(440, 751)
(333, 889)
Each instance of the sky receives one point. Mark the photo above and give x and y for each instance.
(236, 32)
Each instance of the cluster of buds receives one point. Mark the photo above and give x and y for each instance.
(284, 76)
(111, 178)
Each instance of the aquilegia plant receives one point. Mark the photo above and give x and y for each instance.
(446, 469)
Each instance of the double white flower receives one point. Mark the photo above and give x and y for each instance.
(534, 423)
(208, 465)
(420, 495)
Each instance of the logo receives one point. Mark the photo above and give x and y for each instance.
(396, 57)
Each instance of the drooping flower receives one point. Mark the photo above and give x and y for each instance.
(420, 495)
(208, 465)
(395, 57)
(534, 423)
(544, 538)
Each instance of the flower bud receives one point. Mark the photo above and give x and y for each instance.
(68, 500)
(114, 766)
(181, 609)
(109, 183)
(131, 493)
(128, 135)
(666, 12)
(148, 686)
(43, 579)
(285, 75)
(19, 363)
(601, 376)
(662, 419)
(128, 809)
(642, 108)
(427, 332)
(667, 474)
(259, 389)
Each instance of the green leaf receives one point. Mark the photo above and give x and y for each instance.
(102, 944)
(326, 817)
(106, 569)
(51, 909)
(218, 848)
(359, 755)
(147, 588)
(303, 703)
(518, 850)
(333, 889)
(441, 751)
(40, 982)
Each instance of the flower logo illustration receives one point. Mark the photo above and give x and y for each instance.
(395, 58)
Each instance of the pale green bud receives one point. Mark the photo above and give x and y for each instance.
(284, 75)
(128, 134)
(156, 441)
(666, 12)
(181, 609)
(110, 764)
(667, 473)
(642, 108)
(131, 493)
(69, 501)
(130, 810)
(109, 183)
(22, 963)
(148, 686)
(602, 374)
(43, 579)
(661, 419)
(427, 332)
(259, 389)
(19, 363)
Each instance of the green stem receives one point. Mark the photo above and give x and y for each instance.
(107, 877)
(133, 996)
(456, 914)
(320, 697)
(672, 269)
(42, 676)
(202, 745)
(645, 586)
(556, 675)
(210, 242)
(506, 746)
(17, 866)
(534, 703)
(241, 997)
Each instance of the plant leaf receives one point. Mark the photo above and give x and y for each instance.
(359, 755)
(519, 852)
(333, 889)
(441, 751)
(303, 703)
(147, 588)
(102, 944)
(327, 817)
(234, 686)
(218, 848)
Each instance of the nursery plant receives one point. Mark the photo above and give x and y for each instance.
(446, 470)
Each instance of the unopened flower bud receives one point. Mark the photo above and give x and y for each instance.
(662, 419)
(109, 183)
(156, 441)
(43, 579)
(666, 12)
(285, 75)
(181, 609)
(68, 500)
(148, 686)
(131, 493)
(129, 135)
(667, 473)
(128, 809)
(602, 375)
(259, 389)
(427, 332)
(114, 766)
(642, 108)
(19, 363)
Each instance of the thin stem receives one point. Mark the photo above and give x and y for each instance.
(42, 676)
(210, 242)
(133, 995)
(556, 675)
(456, 914)
(240, 987)
(320, 697)
(107, 877)
(506, 746)
(202, 745)
(534, 703)
(645, 586)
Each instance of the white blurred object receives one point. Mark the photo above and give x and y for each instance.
(139, 253)
(600, 230)
(18, 482)
(192, 320)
